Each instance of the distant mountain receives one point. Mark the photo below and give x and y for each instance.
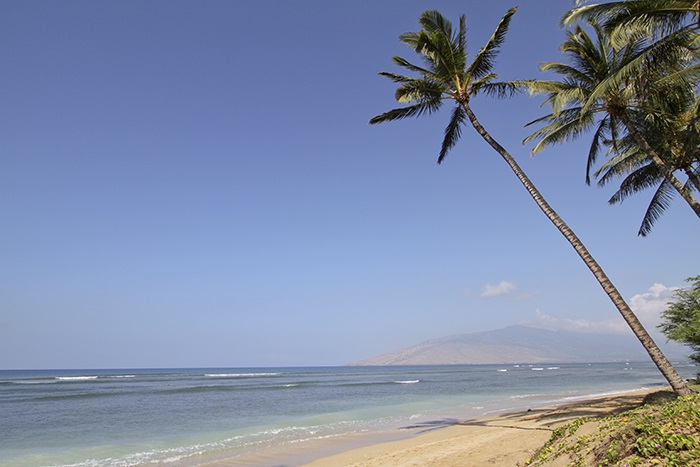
(519, 344)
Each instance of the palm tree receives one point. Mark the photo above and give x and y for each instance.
(650, 100)
(447, 75)
(663, 25)
(679, 144)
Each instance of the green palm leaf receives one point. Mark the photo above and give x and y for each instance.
(484, 60)
(453, 131)
(659, 203)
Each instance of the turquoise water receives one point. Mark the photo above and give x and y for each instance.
(182, 416)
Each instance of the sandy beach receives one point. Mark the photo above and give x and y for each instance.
(504, 440)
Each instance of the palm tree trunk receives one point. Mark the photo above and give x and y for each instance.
(669, 372)
(693, 177)
(659, 162)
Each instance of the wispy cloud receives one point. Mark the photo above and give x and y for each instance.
(611, 326)
(502, 288)
(647, 306)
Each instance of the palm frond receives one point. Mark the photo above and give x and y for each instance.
(400, 113)
(484, 60)
(453, 131)
(410, 38)
(593, 151)
(562, 127)
(402, 62)
(572, 73)
(658, 205)
(396, 78)
(638, 180)
(462, 34)
(689, 74)
(624, 163)
(499, 90)
(566, 97)
(596, 12)
(435, 23)
(420, 91)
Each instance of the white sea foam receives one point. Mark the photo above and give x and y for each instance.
(502, 370)
(537, 369)
(553, 368)
(413, 381)
(76, 378)
(239, 375)
(525, 396)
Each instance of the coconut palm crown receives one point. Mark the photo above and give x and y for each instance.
(446, 73)
(654, 110)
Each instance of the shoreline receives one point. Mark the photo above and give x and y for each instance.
(506, 438)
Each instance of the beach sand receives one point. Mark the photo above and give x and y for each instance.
(503, 440)
(507, 439)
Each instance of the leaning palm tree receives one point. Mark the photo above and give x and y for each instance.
(447, 75)
(650, 100)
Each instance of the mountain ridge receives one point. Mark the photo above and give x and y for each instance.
(518, 344)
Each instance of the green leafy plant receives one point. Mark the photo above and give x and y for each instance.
(664, 433)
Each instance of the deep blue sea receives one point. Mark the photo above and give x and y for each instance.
(188, 416)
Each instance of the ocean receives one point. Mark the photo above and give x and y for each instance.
(189, 416)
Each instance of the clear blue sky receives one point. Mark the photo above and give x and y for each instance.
(196, 184)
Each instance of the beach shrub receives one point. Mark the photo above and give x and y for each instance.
(666, 433)
(681, 321)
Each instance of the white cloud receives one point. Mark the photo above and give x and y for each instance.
(648, 306)
(502, 288)
(611, 326)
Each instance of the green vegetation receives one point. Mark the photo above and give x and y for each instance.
(633, 83)
(681, 321)
(665, 431)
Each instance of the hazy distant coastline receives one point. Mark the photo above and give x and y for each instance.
(519, 344)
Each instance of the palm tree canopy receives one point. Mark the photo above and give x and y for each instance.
(626, 19)
(667, 31)
(590, 61)
(598, 91)
(446, 73)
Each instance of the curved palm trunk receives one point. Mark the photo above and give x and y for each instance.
(659, 162)
(693, 177)
(669, 372)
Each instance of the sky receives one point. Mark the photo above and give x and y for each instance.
(195, 184)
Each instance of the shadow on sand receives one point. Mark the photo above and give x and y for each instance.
(546, 418)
